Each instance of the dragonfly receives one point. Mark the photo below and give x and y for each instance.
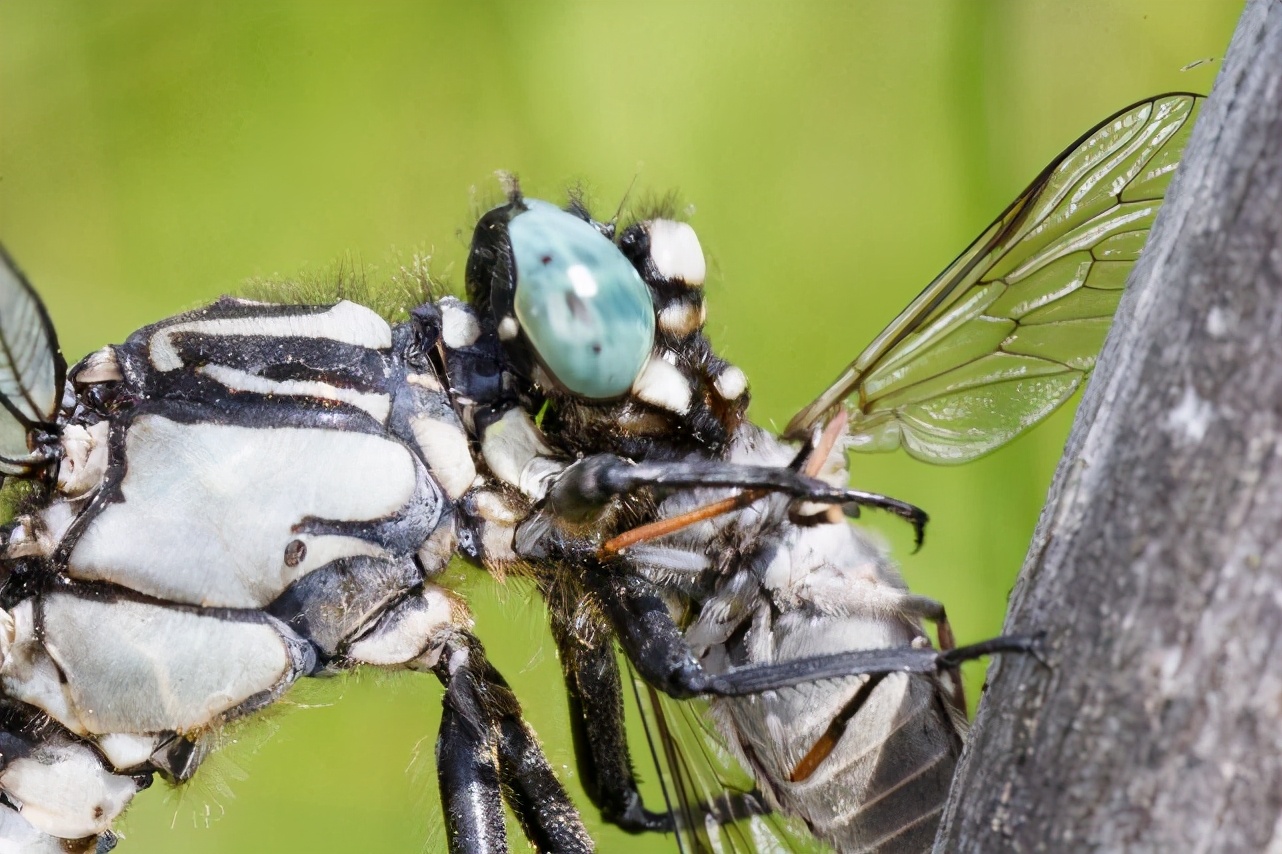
(654, 519)
(328, 591)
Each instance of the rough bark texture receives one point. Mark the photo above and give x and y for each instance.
(1156, 569)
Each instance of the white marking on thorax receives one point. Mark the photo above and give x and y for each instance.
(731, 383)
(377, 405)
(126, 750)
(680, 319)
(661, 384)
(346, 322)
(66, 792)
(99, 366)
(458, 326)
(84, 458)
(516, 453)
(209, 509)
(445, 447)
(138, 667)
(508, 327)
(407, 632)
(675, 251)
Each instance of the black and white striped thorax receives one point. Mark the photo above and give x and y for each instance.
(246, 494)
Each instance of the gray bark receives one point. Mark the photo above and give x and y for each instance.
(1156, 569)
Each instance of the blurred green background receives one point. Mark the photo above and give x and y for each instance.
(154, 155)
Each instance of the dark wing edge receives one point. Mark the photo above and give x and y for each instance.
(712, 799)
(1010, 329)
(32, 371)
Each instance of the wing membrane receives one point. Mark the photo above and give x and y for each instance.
(32, 370)
(1012, 327)
(717, 809)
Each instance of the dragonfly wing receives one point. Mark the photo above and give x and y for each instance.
(32, 370)
(1012, 327)
(717, 808)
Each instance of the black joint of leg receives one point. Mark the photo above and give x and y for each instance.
(588, 485)
(1025, 644)
(910, 513)
(635, 818)
(685, 681)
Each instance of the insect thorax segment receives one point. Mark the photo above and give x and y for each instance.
(248, 494)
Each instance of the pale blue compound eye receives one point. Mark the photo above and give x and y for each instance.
(580, 302)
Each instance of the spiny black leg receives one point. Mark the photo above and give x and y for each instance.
(585, 487)
(494, 723)
(647, 633)
(910, 513)
(538, 799)
(785, 674)
(600, 743)
(466, 763)
(655, 646)
(540, 802)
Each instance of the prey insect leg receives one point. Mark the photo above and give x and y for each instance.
(933, 610)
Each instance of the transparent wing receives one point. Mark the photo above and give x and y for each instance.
(32, 369)
(717, 807)
(1013, 326)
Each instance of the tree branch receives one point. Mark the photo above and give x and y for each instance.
(1156, 568)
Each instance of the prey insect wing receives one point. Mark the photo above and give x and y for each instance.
(716, 806)
(1012, 327)
(31, 370)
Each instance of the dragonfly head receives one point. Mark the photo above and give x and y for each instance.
(562, 297)
(608, 325)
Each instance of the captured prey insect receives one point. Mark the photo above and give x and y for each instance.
(612, 405)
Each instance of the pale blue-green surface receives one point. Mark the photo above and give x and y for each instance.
(838, 155)
(579, 301)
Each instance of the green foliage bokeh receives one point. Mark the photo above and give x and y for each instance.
(155, 155)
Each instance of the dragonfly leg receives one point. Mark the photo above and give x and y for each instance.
(587, 486)
(596, 721)
(481, 721)
(655, 646)
(465, 762)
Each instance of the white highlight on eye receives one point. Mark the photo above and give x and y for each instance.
(458, 327)
(1191, 418)
(582, 280)
(675, 251)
